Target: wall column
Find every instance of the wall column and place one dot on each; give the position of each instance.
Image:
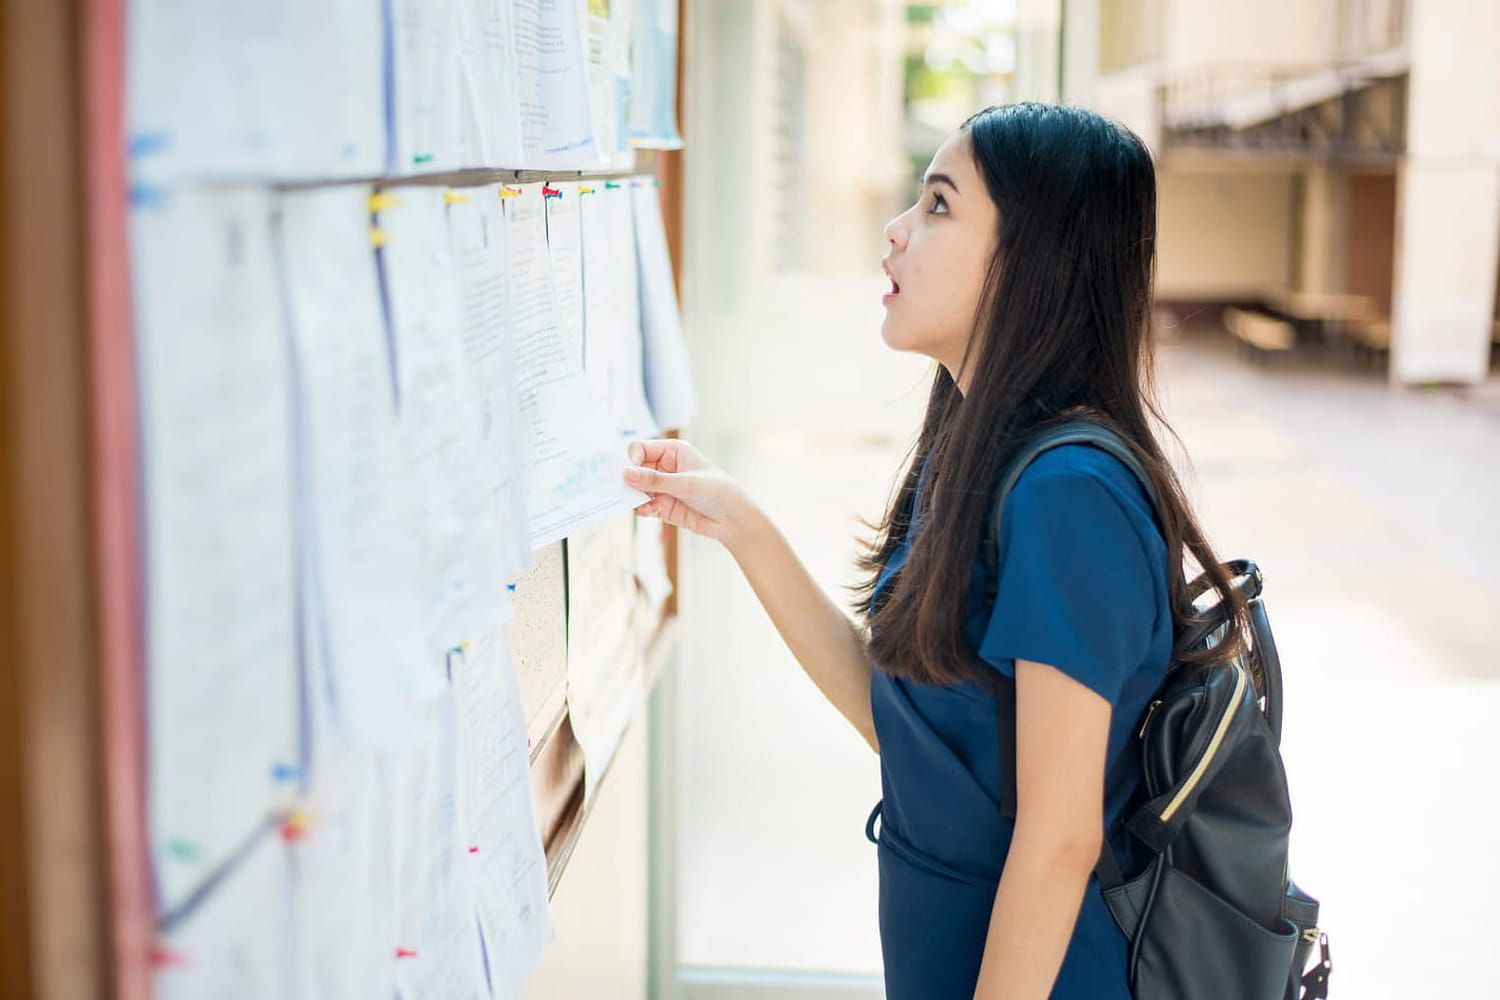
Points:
(1448, 197)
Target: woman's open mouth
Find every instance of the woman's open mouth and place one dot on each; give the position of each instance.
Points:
(895, 287)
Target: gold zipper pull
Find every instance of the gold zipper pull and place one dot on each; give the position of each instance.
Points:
(1150, 711)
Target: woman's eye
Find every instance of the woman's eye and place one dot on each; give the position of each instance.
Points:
(939, 205)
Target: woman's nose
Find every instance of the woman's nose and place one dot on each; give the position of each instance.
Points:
(895, 231)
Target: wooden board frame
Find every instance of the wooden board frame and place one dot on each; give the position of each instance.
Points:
(76, 910)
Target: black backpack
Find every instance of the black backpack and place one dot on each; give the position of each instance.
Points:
(1213, 915)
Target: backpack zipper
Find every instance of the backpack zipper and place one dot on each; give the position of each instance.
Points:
(1212, 748)
(1140, 734)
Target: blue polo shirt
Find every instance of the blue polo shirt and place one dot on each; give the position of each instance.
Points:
(1082, 586)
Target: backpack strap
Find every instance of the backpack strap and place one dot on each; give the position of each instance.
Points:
(1073, 432)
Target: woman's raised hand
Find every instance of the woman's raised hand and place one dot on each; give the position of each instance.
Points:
(687, 491)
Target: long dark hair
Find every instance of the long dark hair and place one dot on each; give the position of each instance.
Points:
(1062, 331)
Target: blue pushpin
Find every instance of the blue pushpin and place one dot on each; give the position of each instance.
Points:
(286, 772)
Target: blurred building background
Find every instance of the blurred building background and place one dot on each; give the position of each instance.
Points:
(1329, 188)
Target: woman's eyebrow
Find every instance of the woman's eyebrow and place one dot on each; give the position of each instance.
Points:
(940, 179)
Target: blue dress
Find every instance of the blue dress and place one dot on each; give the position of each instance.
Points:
(1082, 587)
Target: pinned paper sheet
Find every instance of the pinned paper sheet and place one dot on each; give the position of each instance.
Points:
(437, 950)
(452, 450)
(607, 31)
(343, 884)
(360, 502)
(426, 86)
(277, 89)
(653, 82)
(490, 117)
(237, 941)
(477, 229)
(612, 313)
(606, 671)
(565, 246)
(575, 459)
(222, 670)
(669, 378)
(504, 860)
(554, 94)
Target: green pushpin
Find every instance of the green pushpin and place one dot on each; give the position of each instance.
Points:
(183, 850)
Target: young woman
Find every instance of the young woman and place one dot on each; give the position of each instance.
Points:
(1024, 270)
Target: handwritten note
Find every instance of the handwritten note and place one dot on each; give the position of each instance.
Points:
(222, 667)
(555, 122)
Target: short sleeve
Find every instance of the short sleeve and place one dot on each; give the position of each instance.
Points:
(1075, 589)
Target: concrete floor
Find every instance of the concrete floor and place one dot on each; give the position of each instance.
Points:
(1375, 515)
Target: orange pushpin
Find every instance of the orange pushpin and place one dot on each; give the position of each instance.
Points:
(296, 826)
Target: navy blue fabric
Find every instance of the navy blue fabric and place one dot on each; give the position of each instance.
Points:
(1082, 586)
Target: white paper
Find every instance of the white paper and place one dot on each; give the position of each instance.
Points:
(426, 89)
(437, 951)
(477, 226)
(555, 122)
(613, 354)
(490, 129)
(653, 82)
(363, 559)
(606, 673)
(669, 378)
(271, 90)
(606, 26)
(505, 861)
(236, 943)
(574, 459)
(565, 246)
(344, 908)
(222, 670)
(441, 407)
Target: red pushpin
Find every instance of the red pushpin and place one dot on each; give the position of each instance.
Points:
(551, 192)
(162, 957)
(406, 953)
(473, 848)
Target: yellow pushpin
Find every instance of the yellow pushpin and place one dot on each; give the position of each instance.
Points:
(509, 192)
(585, 190)
(378, 238)
(380, 201)
(454, 198)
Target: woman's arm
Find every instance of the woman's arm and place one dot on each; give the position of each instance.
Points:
(1062, 737)
(688, 492)
(823, 638)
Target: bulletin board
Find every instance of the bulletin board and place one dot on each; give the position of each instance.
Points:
(544, 634)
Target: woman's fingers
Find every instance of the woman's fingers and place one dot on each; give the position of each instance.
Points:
(649, 480)
(664, 453)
